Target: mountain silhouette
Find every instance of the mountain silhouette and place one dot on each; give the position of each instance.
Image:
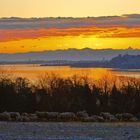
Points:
(126, 61)
(85, 54)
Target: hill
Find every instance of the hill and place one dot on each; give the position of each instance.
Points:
(126, 61)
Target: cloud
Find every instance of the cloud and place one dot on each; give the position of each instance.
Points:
(37, 23)
(113, 32)
(101, 27)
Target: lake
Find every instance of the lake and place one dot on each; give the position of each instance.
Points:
(33, 72)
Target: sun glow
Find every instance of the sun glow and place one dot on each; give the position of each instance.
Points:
(79, 42)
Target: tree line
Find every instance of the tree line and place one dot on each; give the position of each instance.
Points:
(53, 93)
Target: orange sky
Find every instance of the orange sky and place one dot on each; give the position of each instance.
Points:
(24, 40)
(112, 32)
(24, 35)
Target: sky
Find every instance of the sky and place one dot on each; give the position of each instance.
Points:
(25, 35)
(67, 8)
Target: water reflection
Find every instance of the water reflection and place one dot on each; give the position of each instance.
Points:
(34, 71)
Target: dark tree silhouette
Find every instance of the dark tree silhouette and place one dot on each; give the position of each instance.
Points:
(56, 94)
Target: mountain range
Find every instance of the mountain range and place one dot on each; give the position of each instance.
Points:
(85, 54)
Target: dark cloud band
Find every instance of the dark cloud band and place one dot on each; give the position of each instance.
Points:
(129, 21)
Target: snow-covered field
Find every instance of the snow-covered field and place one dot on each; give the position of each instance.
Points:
(69, 131)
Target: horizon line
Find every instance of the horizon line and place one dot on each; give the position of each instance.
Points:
(129, 48)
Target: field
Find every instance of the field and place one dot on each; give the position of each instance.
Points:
(69, 131)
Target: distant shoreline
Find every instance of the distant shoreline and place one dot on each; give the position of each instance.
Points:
(112, 68)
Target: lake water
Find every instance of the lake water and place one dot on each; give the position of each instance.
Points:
(35, 71)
